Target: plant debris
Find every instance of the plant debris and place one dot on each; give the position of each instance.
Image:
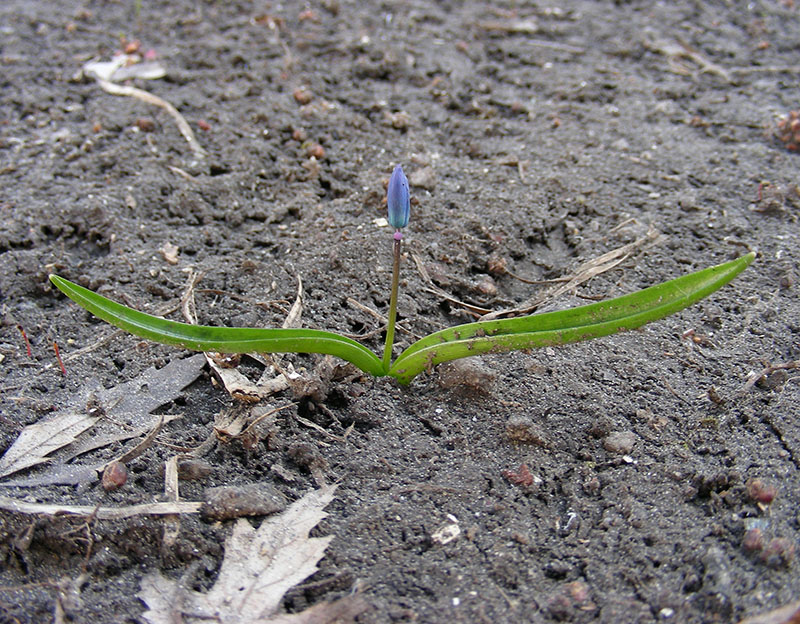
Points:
(259, 567)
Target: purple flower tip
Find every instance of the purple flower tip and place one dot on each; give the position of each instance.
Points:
(398, 199)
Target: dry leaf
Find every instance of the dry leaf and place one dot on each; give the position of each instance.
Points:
(124, 67)
(259, 566)
(37, 441)
(130, 402)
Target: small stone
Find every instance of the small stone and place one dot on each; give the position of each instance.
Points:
(578, 591)
(774, 380)
(620, 442)
(468, 373)
(306, 456)
(302, 95)
(115, 476)
(592, 485)
(423, 178)
(761, 492)
(522, 429)
(486, 286)
(193, 469)
(497, 265)
(315, 150)
(234, 501)
(778, 553)
(145, 125)
(753, 540)
(399, 120)
(560, 607)
(522, 476)
(621, 145)
(601, 427)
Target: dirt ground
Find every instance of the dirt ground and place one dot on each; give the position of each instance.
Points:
(537, 136)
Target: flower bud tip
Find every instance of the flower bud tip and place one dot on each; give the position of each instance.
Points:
(398, 199)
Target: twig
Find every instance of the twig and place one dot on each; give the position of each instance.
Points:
(172, 523)
(262, 417)
(146, 96)
(101, 513)
(316, 427)
(768, 69)
(140, 448)
(292, 319)
(768, 370)
(583, 273)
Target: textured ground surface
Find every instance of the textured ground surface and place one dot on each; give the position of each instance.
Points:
(534, 136)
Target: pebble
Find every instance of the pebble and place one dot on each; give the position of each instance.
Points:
(778, 553)
(233, 501)
(115, 476)
(193, 469)
(302, 95)
(486, 286)
(522, 429)
(470, 373)
(753, 540)
(761, 492)
(423, 178)
(620, 442)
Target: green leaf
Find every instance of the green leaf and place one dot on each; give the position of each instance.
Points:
(537, 330)
(573, 325)
(221, 339)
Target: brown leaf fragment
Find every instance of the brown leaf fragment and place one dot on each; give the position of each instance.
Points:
(152, 389)
(129, 403)
(234, 501)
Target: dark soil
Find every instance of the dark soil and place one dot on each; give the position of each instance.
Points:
(537, 136)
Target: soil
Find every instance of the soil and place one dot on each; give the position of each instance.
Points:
(536, 136)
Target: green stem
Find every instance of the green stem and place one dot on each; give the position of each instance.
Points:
(387, 349)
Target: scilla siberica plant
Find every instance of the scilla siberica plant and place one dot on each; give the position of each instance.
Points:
(496, 336)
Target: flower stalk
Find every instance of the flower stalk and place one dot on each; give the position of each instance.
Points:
(398, 203)
(387, 349)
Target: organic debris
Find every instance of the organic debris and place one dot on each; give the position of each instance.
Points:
(101, 513)
(583, 273)
(259, 567)
(234, 501)
(128, 66)
(788, 130)
(129, 403)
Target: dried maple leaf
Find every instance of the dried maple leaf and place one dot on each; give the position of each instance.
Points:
(259, 566)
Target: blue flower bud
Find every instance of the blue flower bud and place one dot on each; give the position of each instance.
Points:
(398, 199)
